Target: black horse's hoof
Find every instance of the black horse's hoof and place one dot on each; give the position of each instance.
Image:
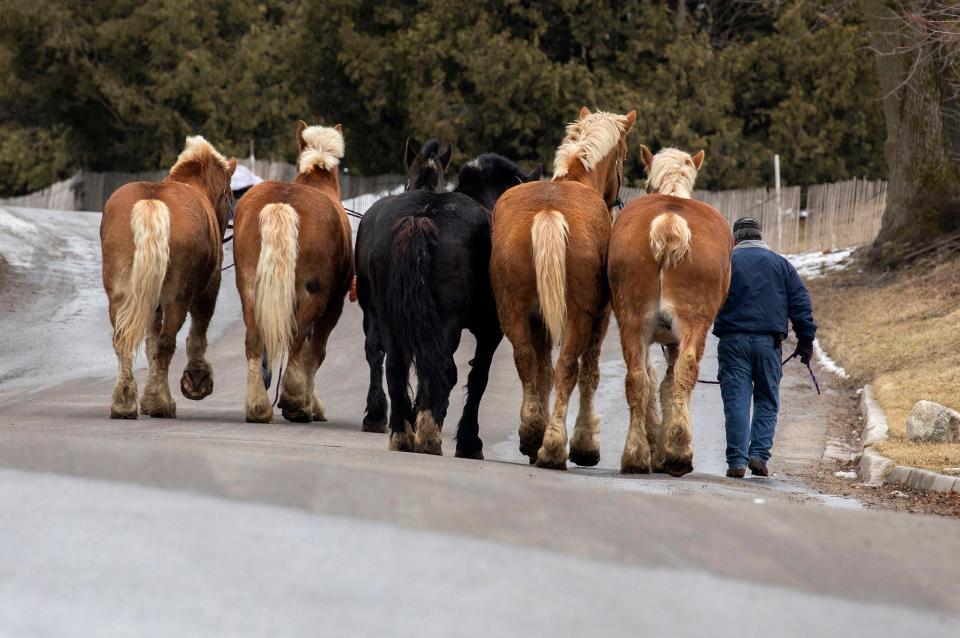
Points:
(196, 383)
(372, 425)
(470, 451)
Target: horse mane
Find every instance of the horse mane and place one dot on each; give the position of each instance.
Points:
(323, 148)
(195, 155)
(589, 140)
(671, 173)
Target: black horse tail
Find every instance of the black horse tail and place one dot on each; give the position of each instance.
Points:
(415, 320)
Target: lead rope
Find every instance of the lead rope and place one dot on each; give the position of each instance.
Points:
(813, 377)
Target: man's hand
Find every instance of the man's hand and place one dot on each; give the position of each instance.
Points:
(804, 351)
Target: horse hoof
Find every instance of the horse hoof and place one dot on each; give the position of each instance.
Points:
(630, 468)
(433, 447)
(584, 458)
(161, 412)
(678, 467)
(196, 383)
(262, 416)
(123, 413)
(549, 464)
(378, 426)
(297, 415)
(401, 441)
(470, 451)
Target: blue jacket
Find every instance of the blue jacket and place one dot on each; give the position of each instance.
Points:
(765, 291)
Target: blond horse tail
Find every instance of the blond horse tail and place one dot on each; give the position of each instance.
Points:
(150, 223)
(275, 291)
(549, 234)
(669, 239)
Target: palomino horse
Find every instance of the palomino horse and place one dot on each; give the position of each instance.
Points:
(292, 248)
(422, 278)
(549, 276)
(161, 246)
(669, 274)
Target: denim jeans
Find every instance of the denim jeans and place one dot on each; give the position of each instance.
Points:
(750, 369)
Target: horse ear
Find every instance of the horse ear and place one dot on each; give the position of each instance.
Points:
(232, 166)
(631, 119)
(698, 159)
(536, 173)
(338, 127)
(647, 156)
(584, 112)
(446, 155)
(301, 127)
(410, 153)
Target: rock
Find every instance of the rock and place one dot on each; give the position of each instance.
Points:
(931, 422)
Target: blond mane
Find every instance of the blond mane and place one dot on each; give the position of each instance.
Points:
(199, 150)
(589, 140)
(323, 148)
(672, 172)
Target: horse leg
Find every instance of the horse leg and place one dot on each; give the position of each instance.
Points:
(527, 360)
(671, 353)
(156, 400)
(553, 452)
(585, 442)
(317, 352)
(433, 390)
(197, 380)
(375, 417)
(398, 373)
(124, 400)
(257, 406)
(636, 450)
(677, 435)
(469, 444)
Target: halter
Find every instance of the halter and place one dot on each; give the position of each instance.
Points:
(618, 171)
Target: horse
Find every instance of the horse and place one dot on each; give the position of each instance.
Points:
(548, 269)
(292, 246)
(161, 249)
(669, 272)
(422, 278)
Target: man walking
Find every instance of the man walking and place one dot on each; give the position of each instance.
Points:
(765, 291)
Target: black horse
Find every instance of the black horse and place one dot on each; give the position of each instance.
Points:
(423, 261)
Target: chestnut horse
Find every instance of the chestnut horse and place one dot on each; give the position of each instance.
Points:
(548, 269)
(161, 247)
(669, 274)
(292, 247)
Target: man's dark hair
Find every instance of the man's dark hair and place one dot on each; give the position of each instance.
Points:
(746, 228)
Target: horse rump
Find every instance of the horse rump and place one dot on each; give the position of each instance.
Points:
(150, 223)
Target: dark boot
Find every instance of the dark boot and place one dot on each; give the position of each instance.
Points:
(736, 472)
(758, 468)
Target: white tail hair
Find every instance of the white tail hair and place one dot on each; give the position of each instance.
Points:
(550, 233)
(150, 223)
(669, 239)
(275, 295)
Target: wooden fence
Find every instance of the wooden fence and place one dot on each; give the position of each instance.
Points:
(838, 215)
(87, 190)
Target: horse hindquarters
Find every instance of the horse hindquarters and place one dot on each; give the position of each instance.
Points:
(417, 329)
(134, 302)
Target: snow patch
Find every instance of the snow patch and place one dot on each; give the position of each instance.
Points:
(845, 474)
(813, 265)
(829, 364)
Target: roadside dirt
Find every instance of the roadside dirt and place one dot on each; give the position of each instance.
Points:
(845, 425)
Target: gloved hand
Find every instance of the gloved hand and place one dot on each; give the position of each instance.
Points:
(804, 350)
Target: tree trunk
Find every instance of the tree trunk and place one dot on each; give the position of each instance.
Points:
(922, 149)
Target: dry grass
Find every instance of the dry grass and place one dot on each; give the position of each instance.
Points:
(900, 332)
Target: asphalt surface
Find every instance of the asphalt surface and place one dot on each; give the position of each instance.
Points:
(206, 525)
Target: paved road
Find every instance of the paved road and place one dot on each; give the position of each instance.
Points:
(207, 525)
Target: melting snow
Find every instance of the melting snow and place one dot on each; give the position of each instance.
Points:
(813, 265)
(829, 364)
